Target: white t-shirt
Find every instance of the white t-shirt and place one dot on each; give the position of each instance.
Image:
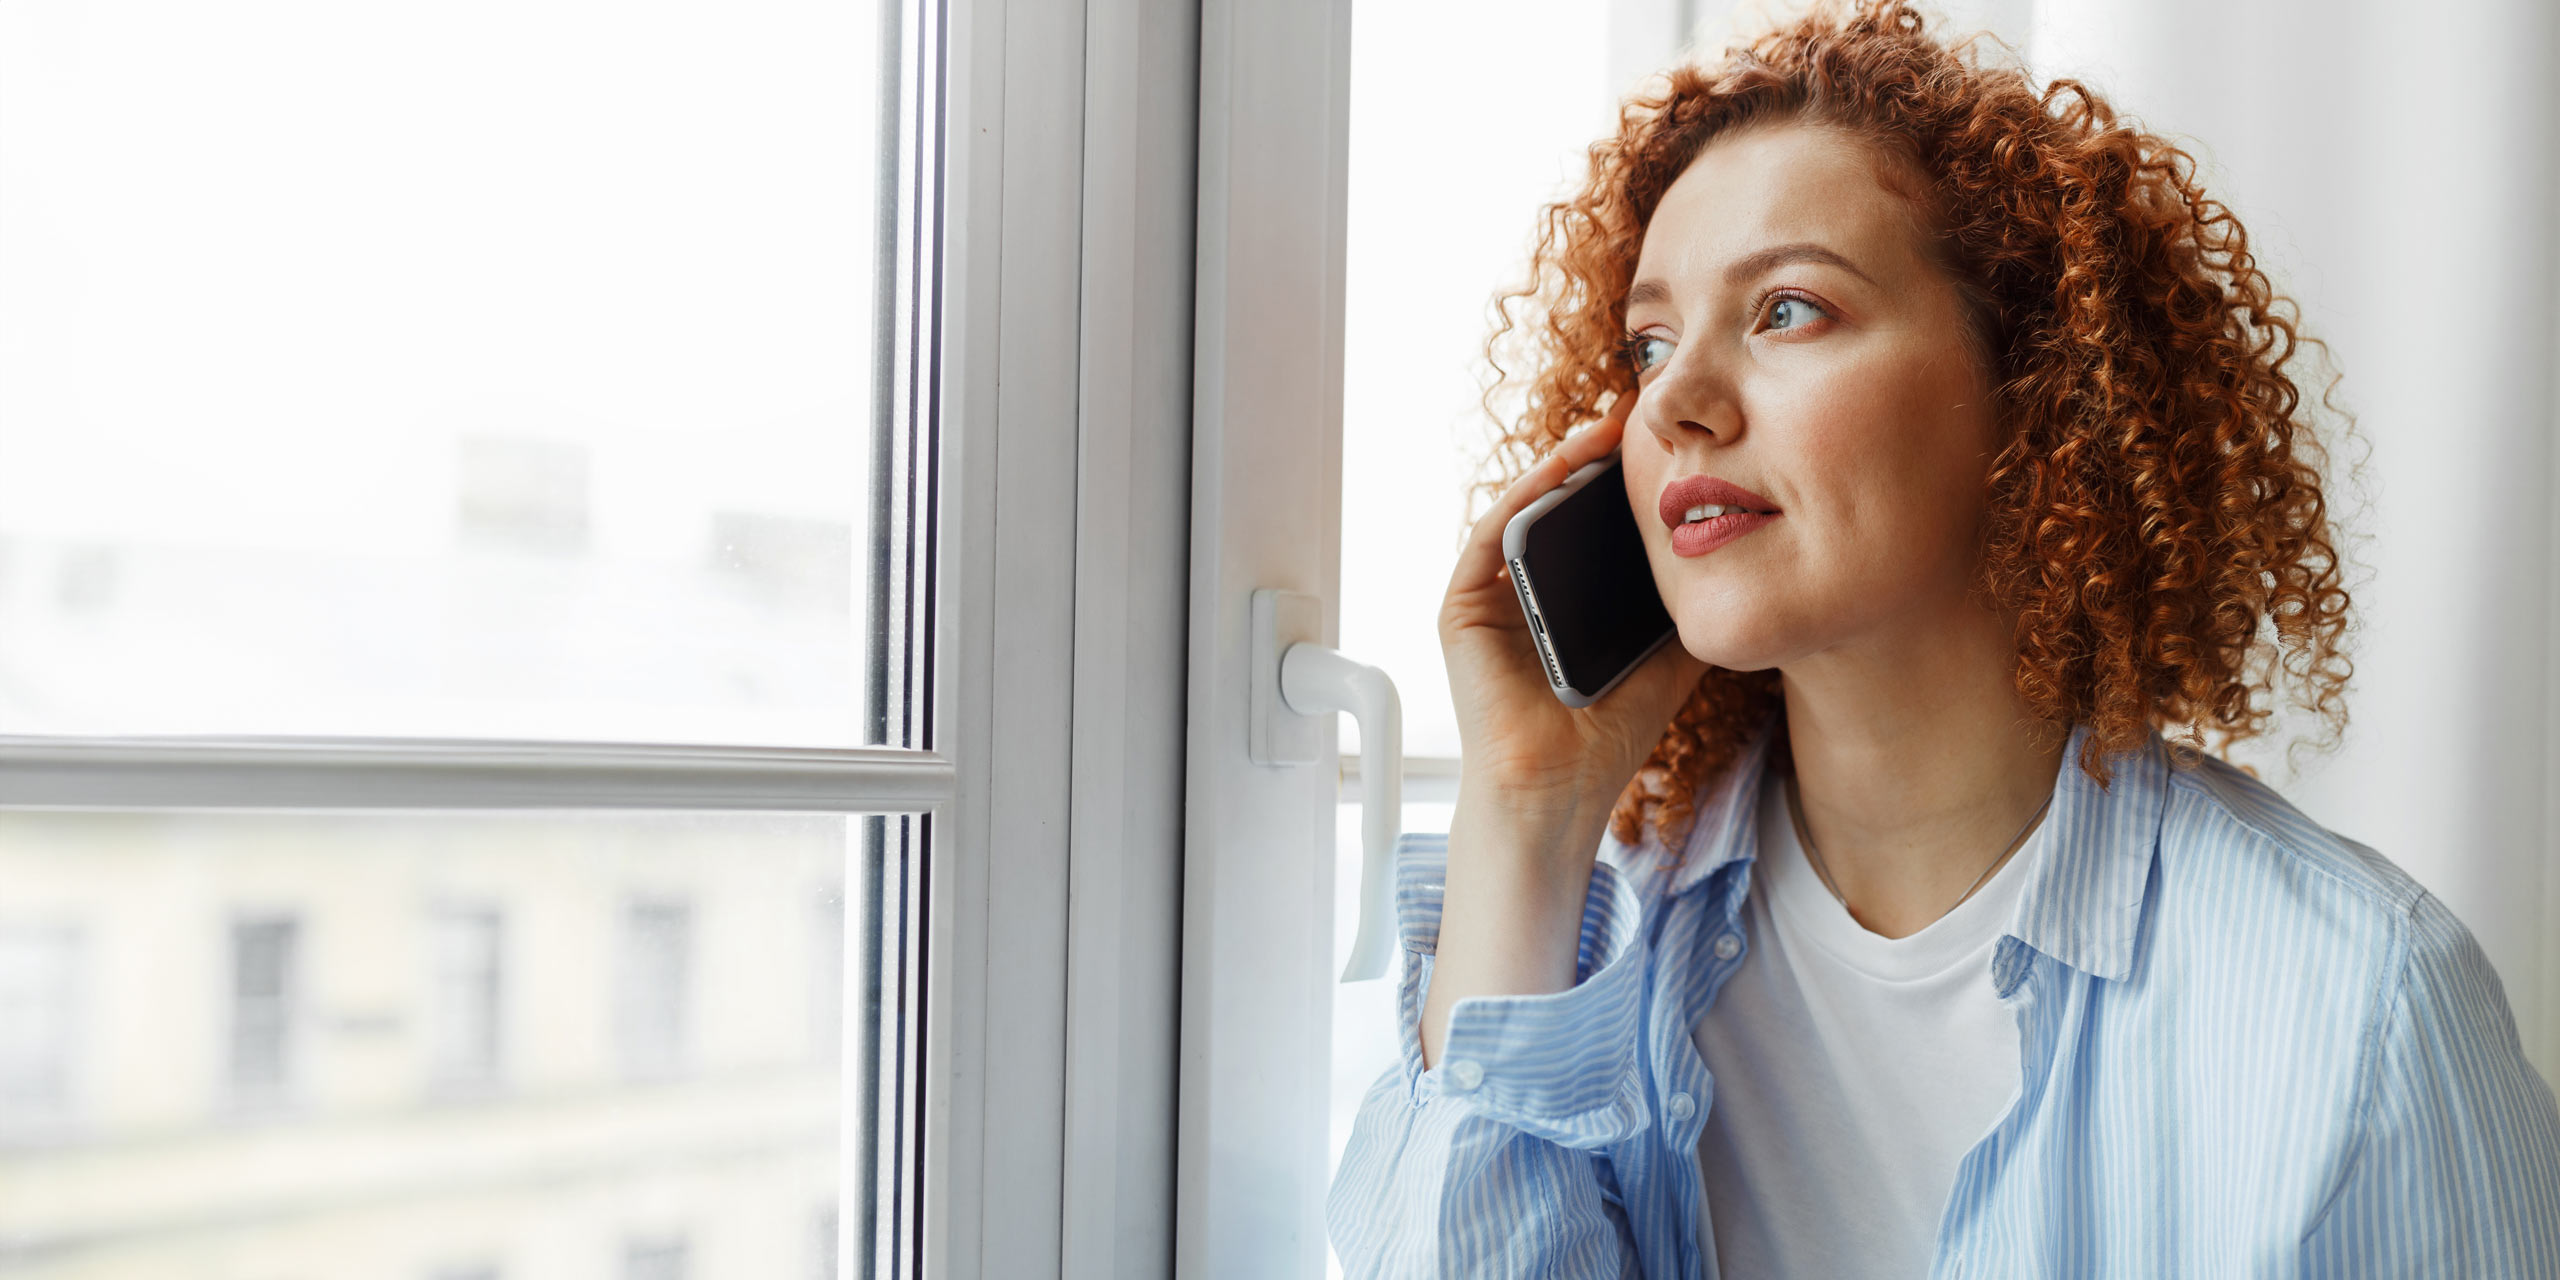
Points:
(1852, 1072)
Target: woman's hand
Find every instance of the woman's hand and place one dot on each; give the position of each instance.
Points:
(1536, 778)
(1520, 745)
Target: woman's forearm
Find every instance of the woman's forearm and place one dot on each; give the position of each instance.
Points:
(1511, 916)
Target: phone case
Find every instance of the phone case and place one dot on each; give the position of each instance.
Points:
(1515, 545)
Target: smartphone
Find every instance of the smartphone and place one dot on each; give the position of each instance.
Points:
(1578, 562)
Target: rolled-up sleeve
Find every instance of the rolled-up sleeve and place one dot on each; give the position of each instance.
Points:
(1490, 1163)
(2458, 1169)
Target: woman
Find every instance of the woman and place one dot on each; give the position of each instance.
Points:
(1958, 425)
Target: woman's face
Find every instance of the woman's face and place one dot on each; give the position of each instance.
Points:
(1794, 341)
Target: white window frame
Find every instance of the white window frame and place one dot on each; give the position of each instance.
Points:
(1257, 969)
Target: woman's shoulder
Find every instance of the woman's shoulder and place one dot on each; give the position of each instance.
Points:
(2219, 811)
(2350, 1023)
(2242, 868)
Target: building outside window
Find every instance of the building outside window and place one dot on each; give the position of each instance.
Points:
(39, 1026)
(264, 991)
(467, 1001)
(652, 993)
(655, 1258)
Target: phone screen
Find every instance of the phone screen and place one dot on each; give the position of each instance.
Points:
(1597, 603)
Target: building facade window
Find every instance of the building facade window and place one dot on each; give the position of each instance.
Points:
(265, 1016)
(652, 1004)
(39, 1026)
(656, 1258)
(467, 996)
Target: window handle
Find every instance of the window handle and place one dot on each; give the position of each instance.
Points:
(1296, 682)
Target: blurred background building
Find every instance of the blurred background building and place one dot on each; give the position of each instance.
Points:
(423, 1046)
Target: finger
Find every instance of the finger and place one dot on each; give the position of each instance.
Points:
(1580, 448)
(1595, 440)
(1481, 557)
(1600, 437)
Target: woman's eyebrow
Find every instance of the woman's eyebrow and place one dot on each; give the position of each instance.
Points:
(1749, 265)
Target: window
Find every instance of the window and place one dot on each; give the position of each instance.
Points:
(656, 1258)
(653, 995)
(466, 337)
(541, 460)
(39, 1027)
(468, 1000)
(265, 990)
(471, 562)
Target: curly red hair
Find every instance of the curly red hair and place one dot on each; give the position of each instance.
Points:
(2156, 522)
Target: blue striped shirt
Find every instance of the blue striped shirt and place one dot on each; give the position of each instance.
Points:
(2249, 1047)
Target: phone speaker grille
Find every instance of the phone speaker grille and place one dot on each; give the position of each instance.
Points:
(1537, 623)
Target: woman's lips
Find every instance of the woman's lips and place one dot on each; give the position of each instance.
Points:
(1699, 537)
(1696, 538)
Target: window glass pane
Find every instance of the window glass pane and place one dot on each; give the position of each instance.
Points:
(653, 987)
(472, 369)
(40, 968)
(484, 1045)
(1432, 232)
(263, 1009)
(466, 994)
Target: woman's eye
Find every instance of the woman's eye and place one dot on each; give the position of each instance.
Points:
(1646, 352)
(1800, 310)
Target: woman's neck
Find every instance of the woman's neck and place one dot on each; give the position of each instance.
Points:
(1916, 763)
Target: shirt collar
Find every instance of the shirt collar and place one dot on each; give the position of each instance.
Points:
(2082, 902)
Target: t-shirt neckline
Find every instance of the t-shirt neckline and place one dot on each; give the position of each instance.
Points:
(1797, 892)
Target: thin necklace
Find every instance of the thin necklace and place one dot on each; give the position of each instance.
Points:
(1804, 836)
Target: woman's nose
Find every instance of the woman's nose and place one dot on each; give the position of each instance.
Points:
(1689, 396)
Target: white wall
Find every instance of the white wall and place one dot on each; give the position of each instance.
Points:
(2398, 168)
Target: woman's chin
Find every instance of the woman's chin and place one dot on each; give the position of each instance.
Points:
(1720, 644)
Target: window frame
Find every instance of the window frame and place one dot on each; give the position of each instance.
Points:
(1071, 144)
(1257, 971)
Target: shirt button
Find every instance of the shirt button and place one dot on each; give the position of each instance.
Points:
(1683, 1106)
(1465, 1074)
(1726, 946)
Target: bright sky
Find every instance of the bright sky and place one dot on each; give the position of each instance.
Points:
(248, 296)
